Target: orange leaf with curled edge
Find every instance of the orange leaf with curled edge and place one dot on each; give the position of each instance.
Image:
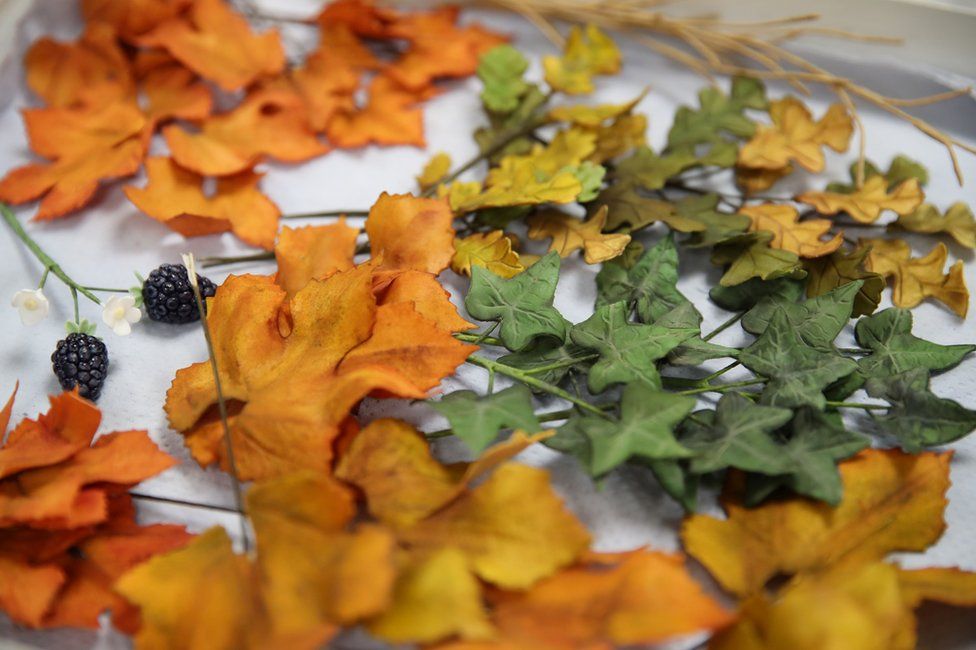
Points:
(919, 278)
(87, 146)
(411, 233)
(607, 600)
(421, 289)
(313, 252)
(217, 43)
(438, 48)
(270, 122)
(390, 117)
(131, 18)
(5, 421)
(791, 234)
(291, 392)
(91, 71)
(866, 204)
(893, 501)
(794, 136)
(175, 197)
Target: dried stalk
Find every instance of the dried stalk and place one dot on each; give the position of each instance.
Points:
(710, 45)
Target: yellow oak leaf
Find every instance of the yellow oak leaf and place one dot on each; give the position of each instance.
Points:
(892, 501)
(794, 136)
(570, 234)
(621, 136)
(754, 181)
(593, 115)
(918, 278)
(491, 250)
(867, 203)
(957, 222)
(434, 171)
(791, 234)
(518, 185)
(586, 53)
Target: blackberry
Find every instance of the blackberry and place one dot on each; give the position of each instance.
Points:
(81, 360)
(168, 296)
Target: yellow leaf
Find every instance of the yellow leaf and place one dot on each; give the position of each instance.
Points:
(957, 222)
(794, 136)
(519, 185)
(858, 608)
(435, 597)
(892, 502)
(621, 136)
(569, 234)
(492, 250)
(867, 203)
(921, 277)
(754, 181)
(940, 584)
(790, 234)
(434, 171)
(593, 115)
(586, 54)
(568, 149)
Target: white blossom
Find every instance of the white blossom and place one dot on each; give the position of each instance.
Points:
(32, 305)
(119, 314)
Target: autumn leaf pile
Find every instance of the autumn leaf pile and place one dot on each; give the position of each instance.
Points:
(163, 66)
(825, 452)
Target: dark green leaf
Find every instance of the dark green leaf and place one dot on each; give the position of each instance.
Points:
(630, 210)
(718, 226)
(650, 286)
(748, 294)
(477, 419)
(750, 256)
(676, 480)
(523, 304)
(836, 270)
(818, 321)
(718, 114)
(652, 171)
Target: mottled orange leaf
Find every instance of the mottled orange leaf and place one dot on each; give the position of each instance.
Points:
(217, 43)
(131, 18)
(438, 47)
(795, 136)
(86, 145)
(407, 232)
(175, 197)
(293, 390)
(270, 123)
(892, 501)
(570, 234)
(427, 295)
(789, 233)
(390, 116)
(92, 71)
(866, 204)
(921, 277)
(313, 252)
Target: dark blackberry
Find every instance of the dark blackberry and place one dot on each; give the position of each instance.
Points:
(168, 296)
(81, 360)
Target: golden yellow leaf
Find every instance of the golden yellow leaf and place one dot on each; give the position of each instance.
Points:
(867, 203)
(893, 501)
(621, 136)
(846, 608)
(593, 115)
(519, 185)
(586, 53)
(435, 597)
(754, 181)
(434, 171)
(940, 584)
(958, 222)
(570, 234)
(794, 136)
(921, 277)
(790, 234)
(492, 250)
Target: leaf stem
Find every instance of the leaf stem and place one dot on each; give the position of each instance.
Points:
(857, 405)
(50, 266)
(722, 388)
(551, 416)
(181, 502)
(326, 213)
(234, 259)
(719, 373)
(724, 326)
(107, 290)
(533, 382)
(855, 351)
(479, 339)
(562, 363)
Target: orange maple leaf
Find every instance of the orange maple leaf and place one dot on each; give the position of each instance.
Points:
(172, 92)
(313, 252)
(411, 233)
(67, 528)
(131, 18)
(93, 70)
(175, 197)
(390, 117)
(270, 122)
(218, 44)
(87, 146)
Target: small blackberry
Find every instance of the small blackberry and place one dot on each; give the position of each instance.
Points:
(168, 296)
(81, 360)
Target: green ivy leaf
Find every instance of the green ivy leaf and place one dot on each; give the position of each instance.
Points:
(650, 286)
(651, 171)
(693, 351)
(718, 114)
(477, 419)
(500, 70)
(522, 304)
(736, 434)
(645, 428)
(747, 295)
(750, 256)
(679, 483)
(628, 351)
(818, 321)
(918, 418)
(894, 349)
(837, 269)
(797, 372)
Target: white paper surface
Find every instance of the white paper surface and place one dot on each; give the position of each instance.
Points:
(107, 241)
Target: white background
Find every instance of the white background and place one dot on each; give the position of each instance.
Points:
(105, 243)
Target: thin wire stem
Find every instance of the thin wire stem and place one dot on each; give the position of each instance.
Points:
(326, 213)
(180, 502)
(722, 388)
(724, 326)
